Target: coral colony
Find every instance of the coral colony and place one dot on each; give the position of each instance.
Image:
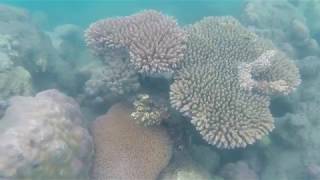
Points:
(84, 104)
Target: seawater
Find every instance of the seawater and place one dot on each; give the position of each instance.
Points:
(84, 12)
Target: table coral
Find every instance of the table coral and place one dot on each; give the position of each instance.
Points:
(155, 42)
(209, 88)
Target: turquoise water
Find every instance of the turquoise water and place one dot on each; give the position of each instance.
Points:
(159, 89)
(84, 12)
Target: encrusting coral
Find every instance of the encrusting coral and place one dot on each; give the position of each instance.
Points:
(44, 137)
(154, 41)
(210, 90)
(126, 150)
(147, 111)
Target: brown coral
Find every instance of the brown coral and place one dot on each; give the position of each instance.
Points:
(154, 41)
(148, 111)
(125, 150)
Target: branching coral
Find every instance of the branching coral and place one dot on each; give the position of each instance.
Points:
(111, 81)
(264, 70)
(154, 41)
(208, 88)
(147, 111)
(125, 150)
(43, 137)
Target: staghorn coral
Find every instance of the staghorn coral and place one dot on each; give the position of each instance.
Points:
(147, 111)
(125, 150)
(43, 137)
(208, 88)
(155, 42)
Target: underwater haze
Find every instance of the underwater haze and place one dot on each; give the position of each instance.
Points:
(84, 12)
(159, 90)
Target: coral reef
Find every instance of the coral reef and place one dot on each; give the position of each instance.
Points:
(155, 42)
(226, 78)
(295, 155)
(5, 62)
(73, 58)
(15, 81)
(44, 137)
(30, 47)
(268, 77)
(113, 80)
(7, 45)
(125, 150)
(286, 23)
(148, 111)
(68, 40)
(205, 157)
(238, 171)
(208, 87)
(182, 167)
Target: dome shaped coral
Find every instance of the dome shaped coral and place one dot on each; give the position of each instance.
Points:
(126, 150)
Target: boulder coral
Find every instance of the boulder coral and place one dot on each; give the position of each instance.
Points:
(44, 137)
(125, 150)
(211, 87)
(154, 41)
